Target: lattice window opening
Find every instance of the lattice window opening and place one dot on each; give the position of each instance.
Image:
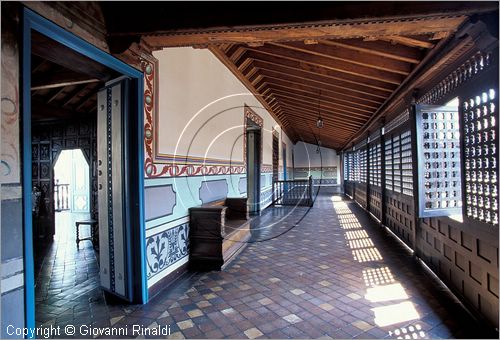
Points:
(438, 144)
(346, 167)
(356, 168)
(375, 164)
(388, 164)
(480, 115)
(362, 165)
(406, 164)
(396, 163)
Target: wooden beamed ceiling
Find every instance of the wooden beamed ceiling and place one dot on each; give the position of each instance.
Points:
(344, 80)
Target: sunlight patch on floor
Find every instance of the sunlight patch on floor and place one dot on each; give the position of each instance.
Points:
(393, 314)
(380, 282)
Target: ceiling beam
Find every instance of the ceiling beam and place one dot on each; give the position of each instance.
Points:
(324, 108)
(327, 63)
(350, 56)
(342, 95)
(332, 30)
(232, 67)
(378, 48)
(296, 116)
(286, 103)
(59, 54)
(407, 41)
(59, 79)
(78, 91)
(314, 80)
(316, 70)
(321, 103)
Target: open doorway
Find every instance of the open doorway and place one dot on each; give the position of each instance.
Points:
(65, 83)
(71, 196)
(253, 156)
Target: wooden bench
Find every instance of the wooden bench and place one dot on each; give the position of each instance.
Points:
(217, 232)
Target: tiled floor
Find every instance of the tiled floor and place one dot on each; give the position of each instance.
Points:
(335, 274)
(67, 282)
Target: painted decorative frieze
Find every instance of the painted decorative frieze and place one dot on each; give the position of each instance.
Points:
(166, 248)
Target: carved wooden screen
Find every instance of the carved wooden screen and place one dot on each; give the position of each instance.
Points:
(438, 146)
(480, 114)
(375, 163)
(275, 156)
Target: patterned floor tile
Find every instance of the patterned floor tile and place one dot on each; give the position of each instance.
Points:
(312, 282)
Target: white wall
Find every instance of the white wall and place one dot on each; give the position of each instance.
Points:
(325, 165)
(306, 156)
(200, 116)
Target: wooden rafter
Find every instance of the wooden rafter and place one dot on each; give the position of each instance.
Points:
(378, 48)
(333, 30)
(342, 67)
(350, 56)
(407, 41)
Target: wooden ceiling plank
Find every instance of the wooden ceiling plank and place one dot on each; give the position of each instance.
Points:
(325, 108)
(305, 87)
(75, 93)
(316, 70)
(55, 94)
(407, 41)
(232, 67)
(236, 55)
(57, 81)
(378, 48)
(295, 117)
(350, 56)
(51, 50)
(288, 103)
(85, 99)
(323, 62)
(335, 85)
(323, 102)
(292, 112)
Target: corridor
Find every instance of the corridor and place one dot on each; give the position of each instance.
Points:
(331, 275)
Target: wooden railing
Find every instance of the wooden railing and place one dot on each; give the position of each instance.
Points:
(293, 192)
(61, 197)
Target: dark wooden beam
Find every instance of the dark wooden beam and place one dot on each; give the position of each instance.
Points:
(311, 87)
(339, 66)
(59, 79)
(59, 54)
(379, 48)
(316, 70)
(78, 91)
(41, 111)
(325, 102)
(407, 41)
(219, 54)
(332, 30)
(54, 94)
(326, 107)
(314, 80)
(81, 103)
(350, 56)
(307, 112)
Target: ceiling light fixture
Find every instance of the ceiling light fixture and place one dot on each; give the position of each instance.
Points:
(319, 122)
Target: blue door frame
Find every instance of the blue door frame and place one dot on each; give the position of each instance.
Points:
(32, 21)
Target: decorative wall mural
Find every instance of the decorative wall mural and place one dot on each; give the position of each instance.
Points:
(179, 165)
(10, 163)
(166, 248)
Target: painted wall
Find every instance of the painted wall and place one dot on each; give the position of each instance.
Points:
(12, 284)
(324, 166)
(197, 147)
